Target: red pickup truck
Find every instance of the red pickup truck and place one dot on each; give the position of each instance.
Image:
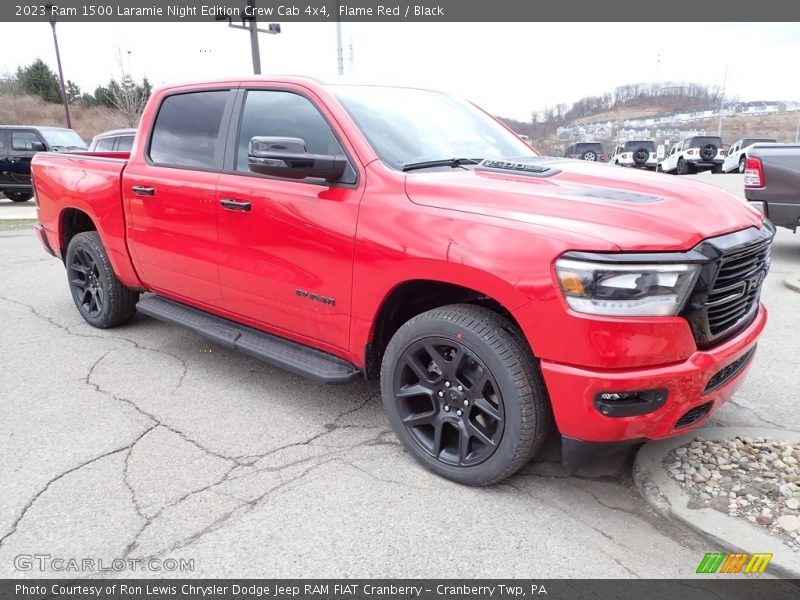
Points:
(347, 231)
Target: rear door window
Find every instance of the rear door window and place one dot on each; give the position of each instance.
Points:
(189, 131)
(125, 143)
(104, 145)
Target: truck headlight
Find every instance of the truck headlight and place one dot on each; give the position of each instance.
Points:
(625, 290)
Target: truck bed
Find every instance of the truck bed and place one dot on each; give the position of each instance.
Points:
(88, 182)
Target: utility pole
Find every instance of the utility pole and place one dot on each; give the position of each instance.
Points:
(339, 54)
(49, 7)
(722, 101)
(252, 27)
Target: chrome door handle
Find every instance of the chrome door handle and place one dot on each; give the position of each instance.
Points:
(141, 190)
(240, 205)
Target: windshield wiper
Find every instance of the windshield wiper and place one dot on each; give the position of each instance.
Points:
(445, 162)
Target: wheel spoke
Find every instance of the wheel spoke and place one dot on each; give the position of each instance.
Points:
(438, 359)
(480, 435)
(418, 419)
(436, 449)
(463, 445)
(487, 408)
(419, 369)
(476, 389)
(417, 389)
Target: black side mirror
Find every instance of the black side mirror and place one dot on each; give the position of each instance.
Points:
(288, 157)
(37, 147)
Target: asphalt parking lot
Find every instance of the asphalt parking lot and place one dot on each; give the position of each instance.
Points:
(148, 441)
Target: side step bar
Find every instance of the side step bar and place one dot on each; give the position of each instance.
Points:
(288, 355)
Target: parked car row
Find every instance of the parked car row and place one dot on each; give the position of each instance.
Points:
(694, 154)
(18, 144)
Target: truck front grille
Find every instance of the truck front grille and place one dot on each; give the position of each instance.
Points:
(737, 288)
(727, 293)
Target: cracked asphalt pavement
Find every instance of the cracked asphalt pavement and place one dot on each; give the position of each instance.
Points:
(148, 441)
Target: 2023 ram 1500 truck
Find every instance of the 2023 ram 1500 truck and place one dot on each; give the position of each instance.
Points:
(346, 231)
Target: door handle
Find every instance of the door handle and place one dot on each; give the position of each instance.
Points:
(240, 205)
(141, 190)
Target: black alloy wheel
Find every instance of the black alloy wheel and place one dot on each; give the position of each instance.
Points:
(449, 402)
(100, 297)
(86, 283)
(464, 393)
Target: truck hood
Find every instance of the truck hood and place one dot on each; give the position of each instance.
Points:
(631, 210)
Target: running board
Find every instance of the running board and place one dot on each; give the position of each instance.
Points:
(277, 351)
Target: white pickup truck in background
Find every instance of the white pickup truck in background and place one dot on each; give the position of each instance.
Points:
(737, 154)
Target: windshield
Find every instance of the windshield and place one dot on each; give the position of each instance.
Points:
(65, 138)
(699, 142)
(633, 146)
(407, 126)
(751, 141)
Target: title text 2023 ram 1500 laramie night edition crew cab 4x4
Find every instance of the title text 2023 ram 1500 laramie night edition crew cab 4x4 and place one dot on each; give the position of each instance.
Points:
(346, 231)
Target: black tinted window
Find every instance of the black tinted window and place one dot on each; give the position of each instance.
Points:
(24, 140)
(104, 145)
(699, 142)
(284, 114)
(125, 143)
(187, 130)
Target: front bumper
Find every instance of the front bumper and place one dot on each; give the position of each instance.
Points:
(573, 391)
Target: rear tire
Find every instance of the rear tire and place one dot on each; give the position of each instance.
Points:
(717, 169)
(18, 196)
(464, 394)
(99, 296)
(742, 164)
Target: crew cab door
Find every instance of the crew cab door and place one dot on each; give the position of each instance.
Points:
(169, 189)
(286, 246)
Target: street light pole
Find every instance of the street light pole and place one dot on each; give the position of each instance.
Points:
(254, 39)
(252, 27)
(60, 70)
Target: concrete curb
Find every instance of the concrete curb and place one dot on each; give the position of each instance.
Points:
(792, 282)
(725, 532)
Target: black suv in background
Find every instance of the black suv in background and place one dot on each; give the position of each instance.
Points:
(18, 144)
(591, 151)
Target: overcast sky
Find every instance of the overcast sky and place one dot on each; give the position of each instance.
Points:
(510, 69)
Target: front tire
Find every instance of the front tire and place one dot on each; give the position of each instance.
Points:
(18, 196)
(742, 164)
(682, 168)
(99, 296)
(464, 394)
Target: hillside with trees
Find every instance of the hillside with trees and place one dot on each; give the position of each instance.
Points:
(32, 95)
(648, 99)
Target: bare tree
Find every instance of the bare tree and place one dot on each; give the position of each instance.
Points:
(129, 98)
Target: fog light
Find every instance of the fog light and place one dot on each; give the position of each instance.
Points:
(630, 404)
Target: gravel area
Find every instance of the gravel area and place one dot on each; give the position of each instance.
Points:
(755, 479)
